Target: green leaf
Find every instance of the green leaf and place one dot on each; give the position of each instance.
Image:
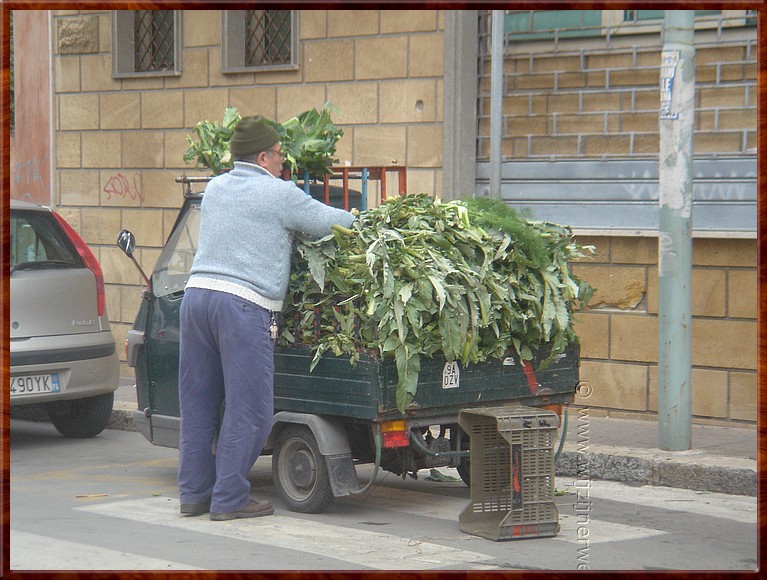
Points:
(399, 311)
(408, 367)
(450, 330)
(316, 262)
(439, 289)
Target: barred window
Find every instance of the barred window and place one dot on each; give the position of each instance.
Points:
(260, 40)
(153, 38)
(146, 42)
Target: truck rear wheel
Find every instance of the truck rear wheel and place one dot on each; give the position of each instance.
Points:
(299, 471)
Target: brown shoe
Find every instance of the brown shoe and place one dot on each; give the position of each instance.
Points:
(195, 509)
(253, 510)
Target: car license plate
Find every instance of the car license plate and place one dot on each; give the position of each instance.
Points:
(35, 384)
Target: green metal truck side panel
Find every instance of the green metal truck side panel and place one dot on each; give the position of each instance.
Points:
(368, 391)
(490, 382)
(334, 387)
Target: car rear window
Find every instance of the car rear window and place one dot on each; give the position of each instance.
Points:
(37, 240)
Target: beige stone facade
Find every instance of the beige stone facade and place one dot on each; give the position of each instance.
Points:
(606, 104)
(619, 332)
(119, 144)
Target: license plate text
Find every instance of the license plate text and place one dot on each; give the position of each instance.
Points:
(35, 384)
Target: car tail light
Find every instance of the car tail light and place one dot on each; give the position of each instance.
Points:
(394, 434)
(90, 261)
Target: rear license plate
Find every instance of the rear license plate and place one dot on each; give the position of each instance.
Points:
(451, 375)
(35, 384)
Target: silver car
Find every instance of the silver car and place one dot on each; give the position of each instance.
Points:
(63, 354)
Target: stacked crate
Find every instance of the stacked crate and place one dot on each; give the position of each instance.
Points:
(512, 473)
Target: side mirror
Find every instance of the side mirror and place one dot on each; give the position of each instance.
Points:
(126, 241)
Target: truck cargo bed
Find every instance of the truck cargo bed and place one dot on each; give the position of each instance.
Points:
(368, 390)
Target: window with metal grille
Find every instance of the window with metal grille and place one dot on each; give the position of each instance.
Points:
(146, 42)
(260, 40)
(153, 40)
(268, 37)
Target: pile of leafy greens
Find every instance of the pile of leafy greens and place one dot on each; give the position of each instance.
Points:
(416, 277)
(308, 142)
(210, 145)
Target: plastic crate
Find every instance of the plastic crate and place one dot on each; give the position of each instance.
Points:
(512, 473)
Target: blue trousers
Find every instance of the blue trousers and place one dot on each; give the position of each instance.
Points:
(226, 354)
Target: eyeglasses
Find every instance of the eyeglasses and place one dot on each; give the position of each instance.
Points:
(280, 153)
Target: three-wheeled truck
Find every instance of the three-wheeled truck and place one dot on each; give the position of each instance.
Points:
(336, 416)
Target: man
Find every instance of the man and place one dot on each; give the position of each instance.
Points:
(229, 314)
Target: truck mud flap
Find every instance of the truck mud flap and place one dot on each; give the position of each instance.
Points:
(343, 477)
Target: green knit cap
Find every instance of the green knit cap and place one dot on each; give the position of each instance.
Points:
(252, 135)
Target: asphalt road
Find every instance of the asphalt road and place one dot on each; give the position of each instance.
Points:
(110, 503)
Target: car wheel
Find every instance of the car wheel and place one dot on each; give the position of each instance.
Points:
(82, 418)
(299, 470)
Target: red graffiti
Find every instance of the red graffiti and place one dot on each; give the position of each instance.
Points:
(119, 186)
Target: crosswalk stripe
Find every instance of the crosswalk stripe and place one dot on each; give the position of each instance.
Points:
(36, 552)
(578, 527)
(432, 505)
(742, 509)
(371, 549)
(364, 548)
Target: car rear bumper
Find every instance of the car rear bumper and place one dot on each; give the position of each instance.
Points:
(61, 355)
(86, 367)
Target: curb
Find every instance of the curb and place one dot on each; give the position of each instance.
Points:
(693, 471)
(122, 419)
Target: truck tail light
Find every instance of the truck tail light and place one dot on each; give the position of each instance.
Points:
(90, 261)
(394, 434)
(556, 407)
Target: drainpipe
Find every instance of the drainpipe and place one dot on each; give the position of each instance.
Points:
(496, 103)
(677, 112)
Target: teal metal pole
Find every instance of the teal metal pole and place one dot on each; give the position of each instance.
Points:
(496, 102)
(677, 112)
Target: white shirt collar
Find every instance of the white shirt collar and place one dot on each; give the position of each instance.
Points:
(255, 166)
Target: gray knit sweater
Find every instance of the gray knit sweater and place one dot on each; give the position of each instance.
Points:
(246, 233)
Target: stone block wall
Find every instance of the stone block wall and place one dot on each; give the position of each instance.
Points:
(619, 331)
(119, 143)
(571, 102)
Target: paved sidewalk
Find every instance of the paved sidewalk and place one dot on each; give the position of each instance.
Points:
(722, 459)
